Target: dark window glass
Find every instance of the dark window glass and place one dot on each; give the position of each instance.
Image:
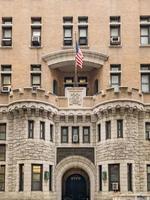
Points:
(120, 128)
(42, 130)
(96, 86)
(86, 134)
(99, 132)
(75, 134)
(108, 129)
(51, 132)
(2, 131)
(129, 168)
(114, 177)
(37, 173)
(100, 177)
(55, 87)
(148, 177)
(2, 152)
(21, 177)
(147, 130)
(64, 134)
(50, 177)
(30, 129)
(2, 178)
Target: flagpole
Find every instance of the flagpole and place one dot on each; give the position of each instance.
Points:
(76, 72)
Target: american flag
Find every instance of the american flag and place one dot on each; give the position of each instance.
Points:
(78, 57)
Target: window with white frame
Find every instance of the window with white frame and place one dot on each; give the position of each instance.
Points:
(6, 31)
(36, 27)
(145, 77)
(67, 28)
(75, 134)
(6, 73)
(115, 75)
(35, 76)
(64, 134)
(86, 134)
(83, 30)
(145, 30)
(115, 28)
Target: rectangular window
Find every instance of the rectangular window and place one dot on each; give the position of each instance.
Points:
(114, 177)
(108, 129)
(120, 128)
(2, 178)
(42, 130)
(51, 132)
(2, 152)
(83, 30)
(145, 78)
(21, 177)
(75, 134)
(30, 129)
(147, 130)
(115, 75)
(37, 174)
(64, 134)
(7, 31)
(6, 78)
(3, 131)
(100, 177)
(67, 27)
(129, 168)
(99, 132)
(148, 177)
(86, 134)
(50, 177)
(115, 36)
(35, 76)
(36, 27)
(145, 30)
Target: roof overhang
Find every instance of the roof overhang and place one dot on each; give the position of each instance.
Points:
(66, 58)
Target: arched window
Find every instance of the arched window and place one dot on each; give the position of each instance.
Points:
(96, 86)
(55, 87)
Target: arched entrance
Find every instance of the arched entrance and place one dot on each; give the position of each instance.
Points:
(75, 185)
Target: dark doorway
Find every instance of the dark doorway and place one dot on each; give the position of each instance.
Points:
(75, 185)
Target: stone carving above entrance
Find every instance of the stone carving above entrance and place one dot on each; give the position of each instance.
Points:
(75, 96)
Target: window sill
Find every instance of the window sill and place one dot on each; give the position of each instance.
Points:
(144, 46)
(67, 47)
(6, 47)
(115, 46)
(84, 46)
(35, 47)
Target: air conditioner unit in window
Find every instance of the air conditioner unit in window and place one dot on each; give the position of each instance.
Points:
(6, 41)
(75, 138)
(36, 40)
(115, 40)
(6, 89)
(34, 88)
(115, 186)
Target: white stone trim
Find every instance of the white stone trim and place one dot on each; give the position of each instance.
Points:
(75, 162)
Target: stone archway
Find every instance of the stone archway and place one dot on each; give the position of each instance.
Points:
(79, 163)
(75, 185)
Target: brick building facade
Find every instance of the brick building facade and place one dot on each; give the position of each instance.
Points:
(60, 142)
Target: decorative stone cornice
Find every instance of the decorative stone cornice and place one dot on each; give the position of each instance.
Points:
(61, 58)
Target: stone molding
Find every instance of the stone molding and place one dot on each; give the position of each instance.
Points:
(58, 59)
